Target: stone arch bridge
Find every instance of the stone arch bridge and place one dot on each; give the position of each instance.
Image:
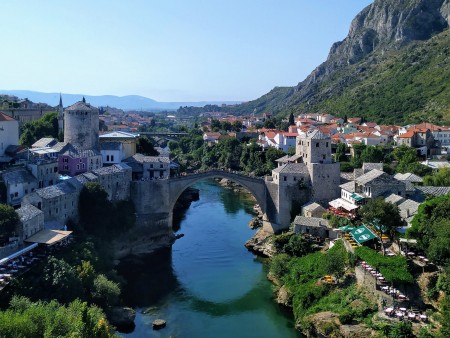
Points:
(154, 199)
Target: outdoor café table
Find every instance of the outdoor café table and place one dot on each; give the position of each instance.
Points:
(385, 288)
(426, 260)
(401, 296)
(399, 314)
(390, 254)
(369, 268)
(380, 278)
(402, 309)
(421, 257)
(411, 315)
(388, 309)
(410, 253)
(423, 317)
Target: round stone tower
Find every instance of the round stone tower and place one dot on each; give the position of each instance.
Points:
(81, 125)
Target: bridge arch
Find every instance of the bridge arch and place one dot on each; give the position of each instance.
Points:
(256, 186)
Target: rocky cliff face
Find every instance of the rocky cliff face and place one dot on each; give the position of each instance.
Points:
(382, 27)
(385, 25)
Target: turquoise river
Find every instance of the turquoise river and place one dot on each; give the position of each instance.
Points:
(208, 285)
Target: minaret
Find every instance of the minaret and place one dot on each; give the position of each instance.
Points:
(60, 115)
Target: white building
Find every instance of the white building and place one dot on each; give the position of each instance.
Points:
(9, 132)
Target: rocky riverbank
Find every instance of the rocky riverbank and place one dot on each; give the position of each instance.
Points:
(261, 244)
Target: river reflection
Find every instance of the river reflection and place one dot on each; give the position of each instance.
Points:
(208, 285)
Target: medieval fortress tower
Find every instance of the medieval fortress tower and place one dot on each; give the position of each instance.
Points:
(81, 125)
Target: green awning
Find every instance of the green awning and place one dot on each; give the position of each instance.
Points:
(357, 197)
(346, 228)
(362, 234)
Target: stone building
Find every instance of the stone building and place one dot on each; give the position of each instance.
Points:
(314, 177)
(19, 182)
(73, 160)
(81, 126)
(149, 167)
(58, 202)
(313, 209)
(115, 180)
(316, 227)
(315, 151)
(31, 219)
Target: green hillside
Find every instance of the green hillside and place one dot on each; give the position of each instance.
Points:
(407, 85)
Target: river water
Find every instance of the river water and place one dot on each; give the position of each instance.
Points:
(208, 285)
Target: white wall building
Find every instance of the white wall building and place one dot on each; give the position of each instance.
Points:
(9, 132)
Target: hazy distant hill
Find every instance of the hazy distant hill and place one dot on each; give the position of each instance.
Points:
(129, 102)
(394, 66)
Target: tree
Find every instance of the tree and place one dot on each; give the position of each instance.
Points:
(291, 119)
(105, 292)
(8, 220)
(46, 126)
(341, 152)
(431, 228)
(145, 146)
(372, 154)
(94, 209)
(383, 214)
(439, 179)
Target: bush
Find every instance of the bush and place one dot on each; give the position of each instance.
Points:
(394, 269)
(279, 265)
(346, 317)
(105, 292)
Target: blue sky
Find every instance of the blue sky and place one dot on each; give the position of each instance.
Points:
(168, 50)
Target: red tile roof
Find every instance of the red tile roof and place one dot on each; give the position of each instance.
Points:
(4, 117)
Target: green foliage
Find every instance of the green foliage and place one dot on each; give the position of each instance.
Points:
(430, 227)
(386, 214)
(441, 178)
(105, 292)
(336, 221)
(145, 146)
(62, 279)
(407, 161)
(279, 265)
(100, 217)
(42, 319)
(8, 220)
(394, 269)
(346, 167)
(341, 151)
(292, 244)
(401, 330)
(46, 126)
(336, 260)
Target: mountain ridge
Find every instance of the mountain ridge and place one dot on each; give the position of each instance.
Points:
(127, 102)
(381, 30)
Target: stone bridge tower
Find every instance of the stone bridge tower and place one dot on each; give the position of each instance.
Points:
(315, 151)
(81, 125)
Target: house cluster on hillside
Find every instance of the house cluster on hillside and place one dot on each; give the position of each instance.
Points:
(429, 139)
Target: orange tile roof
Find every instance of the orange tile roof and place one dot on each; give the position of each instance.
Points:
(4, 117)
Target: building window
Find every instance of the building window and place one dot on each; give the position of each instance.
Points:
(83, 166)
(317, 144)
(66, 167)
(160, 165)
(78, 167)
(80, 160)
(112, 158)
(55, 169)
(284, 178)
(65, 160)
(326, 144)
(107, 158)
(323, 156)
